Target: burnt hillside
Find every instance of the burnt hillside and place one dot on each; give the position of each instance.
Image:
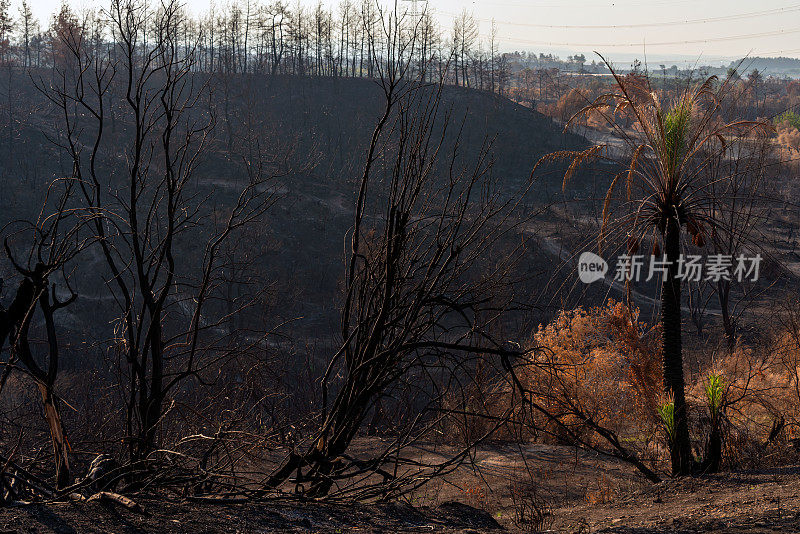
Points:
(312, 134)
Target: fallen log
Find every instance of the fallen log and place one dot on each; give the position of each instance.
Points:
(109, 496)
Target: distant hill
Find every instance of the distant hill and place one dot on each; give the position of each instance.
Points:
(336, 116)
(774, 66)
(330, 121)
(316, 130)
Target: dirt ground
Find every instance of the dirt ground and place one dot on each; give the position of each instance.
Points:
(270, 517)
(739, 502)
(582, 492)
(564, 490)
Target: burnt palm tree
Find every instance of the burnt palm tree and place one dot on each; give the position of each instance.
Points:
(672, 146)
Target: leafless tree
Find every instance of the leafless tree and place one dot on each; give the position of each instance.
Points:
(52, 241)
(144, 206)
(740, 196)
(423, 294)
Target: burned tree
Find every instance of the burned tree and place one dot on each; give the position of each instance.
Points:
(138, 185)
(675, 158)
(423, 294)
(52, 242)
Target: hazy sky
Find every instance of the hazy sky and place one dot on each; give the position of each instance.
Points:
(664, 30)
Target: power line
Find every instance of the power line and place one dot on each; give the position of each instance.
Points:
(648, 3)
(661, 43)
(415, 12)
(778, 52)
(724, 18)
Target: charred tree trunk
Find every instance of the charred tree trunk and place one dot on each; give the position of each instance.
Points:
(680, 448)
(57, 437)
(15, 324)
(713, 452)
(723, 292)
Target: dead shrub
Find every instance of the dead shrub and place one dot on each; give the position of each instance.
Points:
(599, 368)
(788, 136)
(602, 493)
(469, 411)
(761, 398)
(532, 511)
(602, 364)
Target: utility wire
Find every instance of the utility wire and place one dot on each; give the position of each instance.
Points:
(724, 18)
(660, 43)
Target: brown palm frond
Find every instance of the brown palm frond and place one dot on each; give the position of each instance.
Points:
(621, 105)
(576, 157)
(722, 142)
(598, 104)
(706, 88)
(607, 201)
(632, 169)
(578, 160)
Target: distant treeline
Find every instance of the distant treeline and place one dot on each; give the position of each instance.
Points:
(788, 66)
(274, 38)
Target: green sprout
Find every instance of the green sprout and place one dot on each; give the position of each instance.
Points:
(715, 390)
(676, 129)
(667, 413)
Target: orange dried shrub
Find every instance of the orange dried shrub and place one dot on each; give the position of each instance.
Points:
(599, 118)
(571, 103)
(781, 392)
(788, 136)
(599, 363)
(603, 493)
